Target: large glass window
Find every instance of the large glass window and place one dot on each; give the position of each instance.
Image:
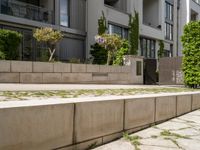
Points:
(148, 48)
(168, 31)
(114, 29)
(64, 13)
(169, 11)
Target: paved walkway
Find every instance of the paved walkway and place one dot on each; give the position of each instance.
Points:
(47, 87)
(181, 133)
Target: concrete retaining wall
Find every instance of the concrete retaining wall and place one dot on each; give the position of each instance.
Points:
(77, 124)
(43, 72)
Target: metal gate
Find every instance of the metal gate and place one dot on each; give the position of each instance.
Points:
(150, 75)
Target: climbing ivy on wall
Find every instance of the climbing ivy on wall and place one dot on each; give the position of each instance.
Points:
(191, 51)
(161, 49)
(134, 33)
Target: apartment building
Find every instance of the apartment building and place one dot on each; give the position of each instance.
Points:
(68, 16)
(78, 20)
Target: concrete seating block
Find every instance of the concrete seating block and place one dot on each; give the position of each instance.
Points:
(126, 69)
(30, 77)
(139, 112)
(38, 127)
(96, 119)
(76, 77)
(196, 101)
(5, 66)
(115, 68)
(104, 68)
(165, 108)
(9, 77)
(61, 67)
(79, 68)
(42, 67)
(21, 66)
(52, 77)
(184, 104)
(93, 68)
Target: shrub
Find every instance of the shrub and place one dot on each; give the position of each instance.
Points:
(99, 54)
(161, 49)
(50, 37)
(111, 43)
(121, 52)
(9, 41)
(191, 51)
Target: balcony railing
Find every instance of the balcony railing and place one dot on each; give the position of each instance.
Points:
(26, 10)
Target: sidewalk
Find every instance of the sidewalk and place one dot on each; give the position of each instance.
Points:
(181, 133)
(49, 87)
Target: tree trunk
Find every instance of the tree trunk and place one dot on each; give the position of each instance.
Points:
(51, 53)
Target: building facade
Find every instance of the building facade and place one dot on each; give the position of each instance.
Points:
(78, 20)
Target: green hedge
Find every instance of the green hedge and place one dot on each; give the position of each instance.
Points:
(191, 51)
(9, 43)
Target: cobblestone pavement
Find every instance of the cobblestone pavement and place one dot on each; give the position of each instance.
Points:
(182, 133)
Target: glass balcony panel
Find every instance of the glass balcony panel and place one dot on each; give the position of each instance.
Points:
(27, 10)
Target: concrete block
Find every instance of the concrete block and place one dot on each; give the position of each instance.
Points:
(76, 77)
(96, 119)
(52, 77)
(42, 67)
(61, 67)
(5, 66)
(30, 77)
(9, 77)
(21, 66)
(38, 127)
(115, 68)
(184, 104)
(93, 68)
(99, 77)
(165, 108)
(139, 112)
(110, 138)
(196, 101)
(79, 67)
(104, 68)
(126, 69)
(118, 76)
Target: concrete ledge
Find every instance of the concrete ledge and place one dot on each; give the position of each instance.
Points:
(5, 66)
(42, 67)
(77, 124)
(79, 68)
(184, 104)
(97, 119)
(61, 67)
(31, 78)
(139, 112)
(196, 101)
(46, 127)
(21, 66)
(51, 77)
(165, 108)
(9, 77)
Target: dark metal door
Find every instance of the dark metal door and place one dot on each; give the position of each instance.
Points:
(150, 75)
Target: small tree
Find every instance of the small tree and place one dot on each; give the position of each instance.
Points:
(102, 27)
(50, 37)
(134, 33)
(161, 49)
(191, 51)
(111, 43)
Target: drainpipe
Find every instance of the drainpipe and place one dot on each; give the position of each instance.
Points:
(178, 13)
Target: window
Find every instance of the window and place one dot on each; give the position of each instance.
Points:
(168, 31)
(138, 68)
(148, 48)
(64, 13)
(122, 32)
(169, 11)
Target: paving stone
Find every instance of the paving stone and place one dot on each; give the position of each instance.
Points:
(187, 132)
(160, 142)
(145, 147)
(191, 118)
(173, 126)
(189, 144)
(118, 145)
(148, 133)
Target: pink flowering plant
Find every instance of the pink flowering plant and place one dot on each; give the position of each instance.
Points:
(112, 43)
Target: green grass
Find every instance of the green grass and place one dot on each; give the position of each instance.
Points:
(5, 96)
(133, 139)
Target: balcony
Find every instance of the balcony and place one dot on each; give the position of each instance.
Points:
(29, 11)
